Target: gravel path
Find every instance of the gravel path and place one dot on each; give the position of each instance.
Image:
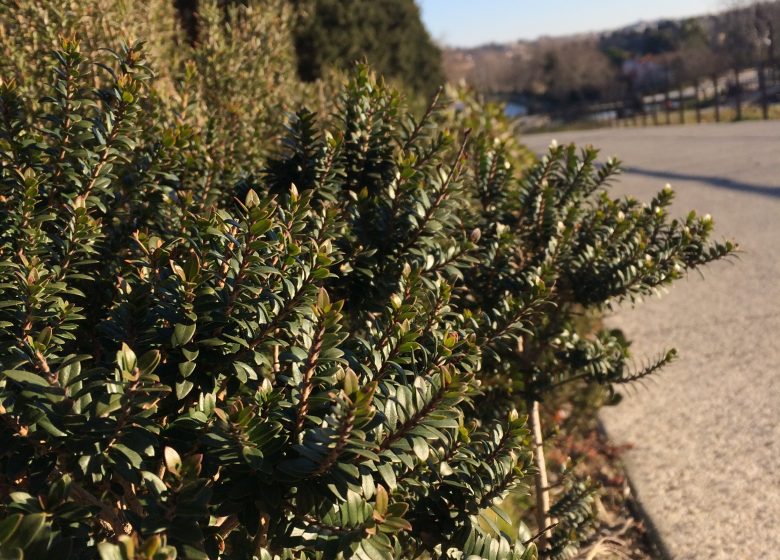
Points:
(706, 461)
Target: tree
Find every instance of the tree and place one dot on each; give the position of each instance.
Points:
(698, 61)
(763, 23)
(737, 33)
(770, 13)
(568, 74)
(388, 34)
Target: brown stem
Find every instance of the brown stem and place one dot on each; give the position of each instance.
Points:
(107, 513)
(225, 268)
(540, 533)
(276, 366)
(261, 538)
(130, 496)
(717, 97)
(228, 524)
(105, 155)
(308, 374)
(278, 318)
(442, 194)
(421, 124)
(411, 423)
(344, 432)
(680, 105)
(43, 366)
(540, 477)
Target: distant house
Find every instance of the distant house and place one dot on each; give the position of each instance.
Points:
(645, 72)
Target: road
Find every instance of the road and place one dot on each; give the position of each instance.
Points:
(706, 433)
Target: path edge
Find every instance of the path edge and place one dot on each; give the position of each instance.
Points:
(637, 507)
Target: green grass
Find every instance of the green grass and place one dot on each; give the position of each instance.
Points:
(727, 115)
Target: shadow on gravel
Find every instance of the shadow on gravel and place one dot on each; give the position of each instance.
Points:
(717, 182)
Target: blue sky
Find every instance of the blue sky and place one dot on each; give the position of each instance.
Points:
(465, 23)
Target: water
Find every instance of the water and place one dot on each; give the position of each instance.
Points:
(513, 110)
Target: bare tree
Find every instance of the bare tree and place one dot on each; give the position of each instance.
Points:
(740, 43)
(573, 73)
(697, 61)
(764, 21)
(771, 12)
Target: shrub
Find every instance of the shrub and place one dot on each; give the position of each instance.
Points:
(324, 359)
(184, 382)
(525, 256)
(227, 92)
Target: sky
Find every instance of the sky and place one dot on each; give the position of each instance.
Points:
(466, 23)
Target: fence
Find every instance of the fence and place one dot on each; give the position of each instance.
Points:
(750, 94)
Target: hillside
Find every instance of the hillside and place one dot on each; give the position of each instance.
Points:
(638, 59)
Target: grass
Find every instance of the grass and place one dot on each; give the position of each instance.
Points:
(727, 115)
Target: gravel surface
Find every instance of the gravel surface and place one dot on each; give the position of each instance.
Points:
(706, 433)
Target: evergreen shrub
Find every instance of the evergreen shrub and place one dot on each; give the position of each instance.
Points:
(331, 355)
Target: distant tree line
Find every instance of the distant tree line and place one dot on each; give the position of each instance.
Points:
(567, 74)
